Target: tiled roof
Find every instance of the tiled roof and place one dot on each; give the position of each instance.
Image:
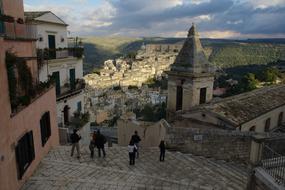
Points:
(245, 107)
(191, 57)
(34, 14)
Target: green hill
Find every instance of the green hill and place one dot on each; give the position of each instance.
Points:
(224, 53)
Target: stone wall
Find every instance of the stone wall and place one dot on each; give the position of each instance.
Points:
(219, 144)
(150, 133)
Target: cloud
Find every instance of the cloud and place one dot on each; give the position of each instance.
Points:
(214, 18)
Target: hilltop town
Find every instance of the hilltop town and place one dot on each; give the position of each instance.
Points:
(166, 116)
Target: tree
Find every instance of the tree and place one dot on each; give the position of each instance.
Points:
(270, 75)
(249, 82)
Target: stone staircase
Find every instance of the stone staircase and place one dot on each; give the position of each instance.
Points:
(59, 170)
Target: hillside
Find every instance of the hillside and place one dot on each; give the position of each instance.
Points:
(224, 53)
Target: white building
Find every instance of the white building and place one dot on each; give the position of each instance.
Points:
(56, 59)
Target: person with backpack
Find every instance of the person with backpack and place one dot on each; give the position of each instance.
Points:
(132, 152)
(92, 144)
(100, 141)
(136, 139)
(162, 151)
(75, 138)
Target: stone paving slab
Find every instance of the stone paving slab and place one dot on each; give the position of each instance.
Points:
(59, 170)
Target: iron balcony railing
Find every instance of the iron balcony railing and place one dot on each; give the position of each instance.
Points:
(274, 164)
(67, 90)
(18, 31)
(60, 53)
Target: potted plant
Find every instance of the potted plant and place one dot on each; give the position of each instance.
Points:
(20, 21)
(6, 18)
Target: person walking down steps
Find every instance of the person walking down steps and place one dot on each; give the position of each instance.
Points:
(162, 151)
(75, 138)
(136, 139)
(132, 152)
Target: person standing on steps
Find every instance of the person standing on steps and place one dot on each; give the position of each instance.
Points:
(162, 151)
(100, 141)
(75, 138)
(132, 152)
(92, 144)
(136, 139)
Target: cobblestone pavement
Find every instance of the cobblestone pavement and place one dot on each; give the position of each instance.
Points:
(60, 171)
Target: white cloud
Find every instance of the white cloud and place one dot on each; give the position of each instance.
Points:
(168, 18)
(235, 22)
(262, 4)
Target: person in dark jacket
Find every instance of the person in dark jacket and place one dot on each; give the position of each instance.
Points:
(100, 141)
(136, 139)
(162, 151)
(75, 138)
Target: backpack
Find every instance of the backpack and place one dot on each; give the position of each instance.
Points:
(73, 138)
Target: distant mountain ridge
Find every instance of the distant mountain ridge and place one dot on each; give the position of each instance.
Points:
(222, 52)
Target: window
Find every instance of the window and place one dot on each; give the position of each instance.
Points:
(280, 118)
(179, 98)
(25, 153)
(267, 125)
(203, 93)
(45, 128)
(252, 129)
(79, 107)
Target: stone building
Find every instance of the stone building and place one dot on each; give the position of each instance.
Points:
(190, 92)
(191, 77)
(28, 127)
(57, 60)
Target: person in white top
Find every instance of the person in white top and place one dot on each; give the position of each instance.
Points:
(132, 152)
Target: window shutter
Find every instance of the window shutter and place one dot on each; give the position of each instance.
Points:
(19, 159)
(48, 125)
(42, 125)
(31, 146)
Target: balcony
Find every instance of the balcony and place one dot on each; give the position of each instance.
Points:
(60, 53)
(23, 89)
(16, 29)
(69, 90)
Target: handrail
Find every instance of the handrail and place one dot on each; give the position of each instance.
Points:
(274, 164)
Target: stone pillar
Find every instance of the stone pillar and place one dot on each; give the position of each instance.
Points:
(255, 158)
(171, 99)
(187, 95)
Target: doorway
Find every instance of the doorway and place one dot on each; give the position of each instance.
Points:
(203, 93)
(51, 46)
(56, 77)
(72, 79)
(66, 114)
(179, 97)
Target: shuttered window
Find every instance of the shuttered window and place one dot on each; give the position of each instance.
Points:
(45, 128)
(25, 153)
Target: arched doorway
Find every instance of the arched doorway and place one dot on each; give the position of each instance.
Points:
(66, 114)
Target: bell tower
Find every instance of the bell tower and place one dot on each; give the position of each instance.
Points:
(191, 77)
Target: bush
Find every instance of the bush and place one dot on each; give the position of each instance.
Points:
(117, 88)
(133, 87)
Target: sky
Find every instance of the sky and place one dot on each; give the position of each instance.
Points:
(239, 19)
